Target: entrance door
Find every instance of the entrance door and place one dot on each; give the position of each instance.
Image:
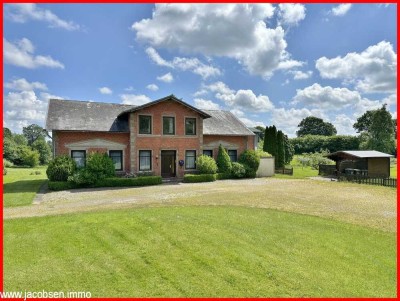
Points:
(168, 164)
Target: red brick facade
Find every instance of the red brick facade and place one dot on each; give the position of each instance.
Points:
(156, 142)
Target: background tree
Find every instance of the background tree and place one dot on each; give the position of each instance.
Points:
(364, 122)
(377, 130)
(44, 150)
(34, 132)
(7, 133)
(280, 150)
(315, 126)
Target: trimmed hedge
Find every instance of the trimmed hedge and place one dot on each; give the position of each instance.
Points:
(108, 182)
(224, 176)
(61, 185)
(311, 143)
(127, 182)
(199, 178)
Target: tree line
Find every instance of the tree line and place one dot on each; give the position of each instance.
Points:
(377, 131)
(27, 149)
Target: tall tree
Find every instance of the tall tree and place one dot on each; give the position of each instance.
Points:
(377, 130)
(280, 151)
(364, 122)
(315, 126)
(289, 149)
(381, 131)
(33, 132)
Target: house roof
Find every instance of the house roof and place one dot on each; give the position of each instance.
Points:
(359, 154)
(224, 123)
(170, 97)
(72, 115)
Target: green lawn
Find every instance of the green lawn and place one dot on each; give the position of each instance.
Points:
(20, 187)
(198, 251)
(299, 172)
(393, 171)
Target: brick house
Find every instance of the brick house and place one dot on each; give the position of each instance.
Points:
(163, 137)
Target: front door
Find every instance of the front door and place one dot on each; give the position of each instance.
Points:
(168, 164)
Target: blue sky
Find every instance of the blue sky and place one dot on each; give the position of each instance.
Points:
(268, 64)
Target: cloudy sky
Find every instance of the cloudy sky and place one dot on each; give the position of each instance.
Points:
(268, 64)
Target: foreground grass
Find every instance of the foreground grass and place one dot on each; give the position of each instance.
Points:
(20, 187)
(198, 251)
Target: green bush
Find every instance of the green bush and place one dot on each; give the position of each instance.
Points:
(29, 157)
(61, 185)
(100, 165)
(263, 154)
(238, 170)
(108, 182)
(60, 168)
(4, 171)
(199, 178)
(206, 165)
(83, 177)
(315, 159)
(7, 163)
(250, 158)
(223, 161)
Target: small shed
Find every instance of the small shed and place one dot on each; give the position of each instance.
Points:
(369, 163)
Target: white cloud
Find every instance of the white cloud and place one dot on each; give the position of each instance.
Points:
(297, 74)
(22, 13)
(130, 88)
(134, 99)
(373, 70)
(22, 84)
(156, 58)
(24, 108)
(206, 104)
(166, 78)
(291, 14)
(341, 9)
(21, 54)
(326, 97)
(241, 99)
(152, 87)
(105, 90)
(237, 31)
(237, 112)
(185, 64)
(288, 119)
(344, 125)
(251, 123)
